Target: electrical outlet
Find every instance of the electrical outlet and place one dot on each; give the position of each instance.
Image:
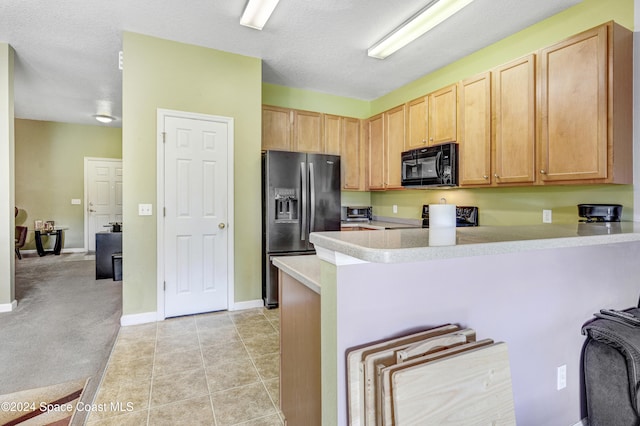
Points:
(145, 210)
(76, 201)
(546, 216)
(395, 208)
(562, 377)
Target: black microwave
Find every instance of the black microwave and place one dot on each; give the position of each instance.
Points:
(431, 166)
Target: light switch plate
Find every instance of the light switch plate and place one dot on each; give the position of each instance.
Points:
(76, 201)
(145, 210)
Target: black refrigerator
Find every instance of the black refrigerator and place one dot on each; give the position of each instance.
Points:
(300, 195)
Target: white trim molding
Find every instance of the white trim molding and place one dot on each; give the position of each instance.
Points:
(249, 304)
(135, 319)
(8, 307)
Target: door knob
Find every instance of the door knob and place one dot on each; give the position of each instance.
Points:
(221, 225)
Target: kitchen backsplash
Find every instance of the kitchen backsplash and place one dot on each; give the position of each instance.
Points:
(499, 206)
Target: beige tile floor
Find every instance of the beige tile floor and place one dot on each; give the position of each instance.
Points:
(211, 369)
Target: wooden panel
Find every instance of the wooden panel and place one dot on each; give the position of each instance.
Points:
(475, 130)
(394, 145)
(332, 134)
(351, 154)
(307, 131)
(443, 115)
(416, 133)
(470, 388)
(574, 77)
(276, 128)
(375, 133)
(300, 391)
(513, 100)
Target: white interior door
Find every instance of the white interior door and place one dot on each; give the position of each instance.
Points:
(103, 183)
(195, 221)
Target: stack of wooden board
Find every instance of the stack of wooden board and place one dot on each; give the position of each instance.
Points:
(439, 376)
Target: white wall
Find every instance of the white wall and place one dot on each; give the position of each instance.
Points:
(7, 191)
(636, 112)
(535, 301)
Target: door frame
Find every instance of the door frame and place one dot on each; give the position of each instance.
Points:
(229, 121)
(86, 194)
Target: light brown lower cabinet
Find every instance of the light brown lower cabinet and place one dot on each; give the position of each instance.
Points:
(300, 391)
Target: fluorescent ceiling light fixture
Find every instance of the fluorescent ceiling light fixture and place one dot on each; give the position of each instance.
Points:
(104, 118)
(430, 16)
(257, 13)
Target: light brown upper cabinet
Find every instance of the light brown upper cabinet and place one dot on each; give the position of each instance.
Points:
(416, 133)
(276, 128)
(514, 119)
(431, 119)
(442, 115)
(586, 108)
(375, 145)
(394, 129)
(307, 131)
(342, 137)
(332, 126)
(352, 154)
(474, 130)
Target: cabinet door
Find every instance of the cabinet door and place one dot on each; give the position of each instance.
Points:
(375, 133)
(307, 131)
(442, 115)
(416, 136)
(276, 128)
(394, 129)
(474, 130)
(332, 134)
(300, 362)
(514, 121)
(573, 108)
(351, 159)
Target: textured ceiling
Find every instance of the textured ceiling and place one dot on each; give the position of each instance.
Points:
(67, 50)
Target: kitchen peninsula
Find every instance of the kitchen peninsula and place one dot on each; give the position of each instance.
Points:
(530, 286)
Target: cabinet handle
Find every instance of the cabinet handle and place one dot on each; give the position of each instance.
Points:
(485, 177)
(431, 139)
(496, 175)
(543, 172)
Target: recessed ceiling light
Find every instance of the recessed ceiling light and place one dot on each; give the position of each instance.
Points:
(430, 16)
(104, 118)
(257, 13)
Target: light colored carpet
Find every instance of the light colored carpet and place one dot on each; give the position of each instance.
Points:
(50, 405)
(64, 326)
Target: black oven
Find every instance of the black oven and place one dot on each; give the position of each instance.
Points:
(431, 166)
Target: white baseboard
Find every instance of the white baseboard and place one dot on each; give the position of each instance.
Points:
(249, 304)
(8, 307)
(135, 319)
(64, 250)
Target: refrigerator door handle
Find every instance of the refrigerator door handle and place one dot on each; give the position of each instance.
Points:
(303, 183)
(312, 190)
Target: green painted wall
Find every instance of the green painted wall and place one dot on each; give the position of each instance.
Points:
(498, 206)
(308, 100)
(50, 172)
(170, 75)
(508, 206)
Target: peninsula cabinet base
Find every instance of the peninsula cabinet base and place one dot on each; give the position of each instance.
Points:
(300, 392)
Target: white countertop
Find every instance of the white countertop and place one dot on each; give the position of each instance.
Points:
(412, 245)
(378, 224)
(305, 269)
